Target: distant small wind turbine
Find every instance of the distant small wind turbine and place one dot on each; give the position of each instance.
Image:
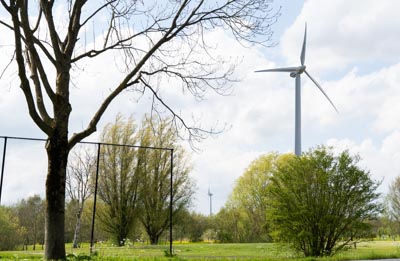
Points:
(295, 72)
(210, 195)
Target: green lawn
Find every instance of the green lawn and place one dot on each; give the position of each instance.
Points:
(206, 251)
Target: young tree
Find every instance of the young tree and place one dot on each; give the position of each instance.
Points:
(155, 171)
(249, 196)
(228, 225)
(31, 217)
(320, 201)
(191, 226)
(243, 218)
(119, 179)
(154, 38)
(393, 199)
(80, 170)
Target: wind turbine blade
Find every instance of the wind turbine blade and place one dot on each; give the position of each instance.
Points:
(287, 69)
(322, 90)
(303, 50)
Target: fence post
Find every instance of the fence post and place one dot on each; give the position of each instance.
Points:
(2, 166)
(171, 203)
(95, 197)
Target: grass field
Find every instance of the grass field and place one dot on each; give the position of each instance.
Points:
(206, 251)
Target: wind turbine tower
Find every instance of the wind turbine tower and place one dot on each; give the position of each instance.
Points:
(295, 72)
(210, 195)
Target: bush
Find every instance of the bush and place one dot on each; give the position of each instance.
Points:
(319, 201)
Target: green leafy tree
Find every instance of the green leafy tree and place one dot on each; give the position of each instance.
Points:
(250, 197)
(119, 179)
(134, 183)
(31, 217)
(154, 40)
(392, 208)
(11, 233)
(243, 219)
(191, 226)
(229, 225)
(320, 201)
(198, 224)
(154, 166)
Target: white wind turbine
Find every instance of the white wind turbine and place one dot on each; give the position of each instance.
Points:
(295, 72)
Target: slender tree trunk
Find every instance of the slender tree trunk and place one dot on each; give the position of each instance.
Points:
(57, 153)
(34, 236)
(75, 243)
(154, 240)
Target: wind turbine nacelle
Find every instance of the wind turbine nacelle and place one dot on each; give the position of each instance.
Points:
(298, 70)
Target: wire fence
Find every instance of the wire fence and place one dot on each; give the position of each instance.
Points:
(24, 167)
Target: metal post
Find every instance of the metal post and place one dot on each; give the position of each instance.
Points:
(297, 146)
(171, 202)
(211, 204)
(2, 166)
(95, 197)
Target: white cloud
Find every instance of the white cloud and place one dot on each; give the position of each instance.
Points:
(24, 170)
(381, 159)
(345, 33)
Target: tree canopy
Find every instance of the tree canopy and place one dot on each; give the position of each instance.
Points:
(119, 179)
(155, 172)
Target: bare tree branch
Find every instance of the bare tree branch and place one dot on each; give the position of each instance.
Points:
(232, 14)
(46, 6)
(73, 28)
(97, 11)
(195, 134)
(25, 85)
(8, 65)
(38, 21)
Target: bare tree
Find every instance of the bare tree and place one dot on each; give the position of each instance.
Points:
(393, 202)
(79, 173)
(174, 34)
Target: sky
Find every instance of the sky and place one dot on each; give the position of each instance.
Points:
(352, 51)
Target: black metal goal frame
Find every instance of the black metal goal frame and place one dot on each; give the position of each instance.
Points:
(99, 144)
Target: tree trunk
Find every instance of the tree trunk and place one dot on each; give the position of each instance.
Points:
(57, 153)
(154, 238)
(34, 236)
(75, 243)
